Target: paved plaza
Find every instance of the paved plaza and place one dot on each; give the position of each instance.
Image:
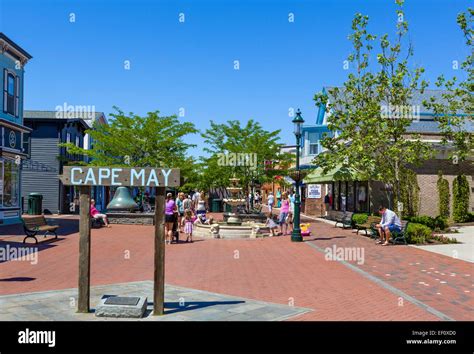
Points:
(292, 281)
(181, 304)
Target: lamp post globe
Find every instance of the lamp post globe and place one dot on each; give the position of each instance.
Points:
(296, 234)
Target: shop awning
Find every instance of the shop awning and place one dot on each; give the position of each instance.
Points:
(339, 173)
(289, 180)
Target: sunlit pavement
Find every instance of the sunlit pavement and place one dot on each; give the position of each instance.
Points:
(388, 283)
(463, 250)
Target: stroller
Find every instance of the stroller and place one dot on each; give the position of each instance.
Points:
(175, 231)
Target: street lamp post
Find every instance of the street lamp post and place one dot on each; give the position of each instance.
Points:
(296, 234)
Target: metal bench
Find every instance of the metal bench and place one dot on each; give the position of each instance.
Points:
(35, 224)
(395, 237)
(344, 218)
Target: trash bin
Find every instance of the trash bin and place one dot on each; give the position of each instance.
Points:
(35, 204)
(228, 208)
(216, 206)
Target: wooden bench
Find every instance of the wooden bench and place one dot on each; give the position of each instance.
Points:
(35, 224)
(344, 218)
(368, 224)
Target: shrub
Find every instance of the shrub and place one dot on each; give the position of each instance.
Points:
(418, 233)
(443, 196)
(444, 239)
(460, 199)
(470, 217)
(424, 220)
(440, 222)
(359, 218)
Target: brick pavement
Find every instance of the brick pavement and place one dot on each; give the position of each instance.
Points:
(271, 269)
(442, 282)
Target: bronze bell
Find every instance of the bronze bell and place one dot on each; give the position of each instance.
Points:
(122, 201)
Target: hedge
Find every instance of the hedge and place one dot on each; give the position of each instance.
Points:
(443, 196)
(460, 199)
(359, 218)
(433, 223)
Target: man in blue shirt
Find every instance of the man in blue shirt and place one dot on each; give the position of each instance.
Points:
(390, 223)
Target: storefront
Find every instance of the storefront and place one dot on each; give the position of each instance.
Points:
(343, 189)
(13, 148)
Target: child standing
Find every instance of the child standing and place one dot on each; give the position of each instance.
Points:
(188, 225)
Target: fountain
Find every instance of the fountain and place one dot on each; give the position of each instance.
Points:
(233, 225)
(233, 217)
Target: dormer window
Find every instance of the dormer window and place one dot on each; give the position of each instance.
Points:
(313, 143)
(11, 93)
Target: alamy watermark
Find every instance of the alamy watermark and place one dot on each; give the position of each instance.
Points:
(351, 254)
(67, 111)
(237, 159)
(400, 111)
(27, 254)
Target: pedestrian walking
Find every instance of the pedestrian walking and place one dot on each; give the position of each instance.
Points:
(170, 217)
(270, 201)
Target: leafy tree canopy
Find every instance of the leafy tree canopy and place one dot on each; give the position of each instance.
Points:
(133, 140)
(369, 115)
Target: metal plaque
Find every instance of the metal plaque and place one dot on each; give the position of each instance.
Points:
(122, 300)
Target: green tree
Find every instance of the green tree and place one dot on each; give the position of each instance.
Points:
(443, 196)
(370, 113)
(460, 199)
(456, 105)
(240, 149)
(132, 140)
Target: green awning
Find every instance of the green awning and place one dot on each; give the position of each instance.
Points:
(339, 173)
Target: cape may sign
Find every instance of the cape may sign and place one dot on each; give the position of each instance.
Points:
(120, 176)
(84, 177)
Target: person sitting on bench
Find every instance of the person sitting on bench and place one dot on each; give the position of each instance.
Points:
(390, 223)
(96, 215)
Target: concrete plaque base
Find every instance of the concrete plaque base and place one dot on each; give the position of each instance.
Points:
(118, 309)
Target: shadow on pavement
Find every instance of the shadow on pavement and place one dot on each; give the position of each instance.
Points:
(18, 279)
(66, 227)
(193, 305)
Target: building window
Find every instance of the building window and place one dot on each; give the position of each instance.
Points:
(343, 195)
(313, 143)
(9, 191)
(27, 144)
(362, 196)
(11, 93)
(350, 196)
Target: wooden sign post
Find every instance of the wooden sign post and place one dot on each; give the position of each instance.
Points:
(159, 274)
(84, 249)
(85, 177)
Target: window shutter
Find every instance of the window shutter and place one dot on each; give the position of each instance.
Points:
(5, 85)
(17, 96)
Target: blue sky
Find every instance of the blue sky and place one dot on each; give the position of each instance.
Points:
(190, 65)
